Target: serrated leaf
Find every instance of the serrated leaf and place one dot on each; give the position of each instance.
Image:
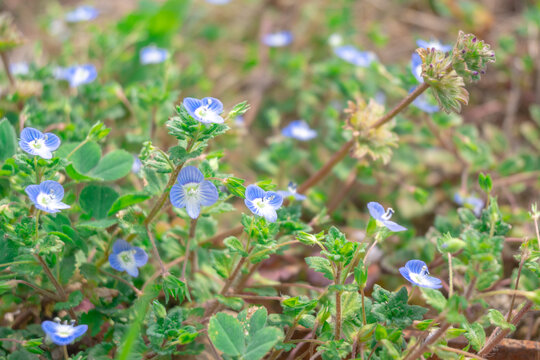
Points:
(321, 265)
(434, 298)
(476, 335)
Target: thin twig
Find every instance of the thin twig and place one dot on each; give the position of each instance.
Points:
(192, 228)
(164, 271)
(461, 352)
(133, 287)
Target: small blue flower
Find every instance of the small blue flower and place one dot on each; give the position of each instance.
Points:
(423, 104)
(137, 165)
(82, 13)
(77, 75)
(376, 210)
(278, 39)
(436, 44)
(291, 192)
(47, 196)
(218, 2)
(263, 203)
(192, 191)
(476, 204)
(354, 56)
(34, 142)
(416, 67)
(207, 110)
(299, 130)
(127, 258)
(19, 68)
(62, 334)
(416, 272)
(153, 55)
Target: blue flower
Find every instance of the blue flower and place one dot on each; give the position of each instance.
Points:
(436, 44)
(299, 130)
(137, 165)
(82, 13)
(416, 67)
(473, 202)
(76, 75)
(263, 203)
(423, 104)
(127, 258)
(34, 142)
(291, 192)
(278, 39)
(192, 191)
(19, 68)
(47, 196)
(354, 56)
(153, 55)
(416, 272)
(62, 334)
(218, 2)
(207, 110)
(376, 210)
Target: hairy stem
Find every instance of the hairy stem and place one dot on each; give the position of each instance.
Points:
(133, 287)
(461, 352)
(450, 276)
(164, 271)
(523, 259)
(432, 339)
(43, 292)
(337, 333)
(192, 228)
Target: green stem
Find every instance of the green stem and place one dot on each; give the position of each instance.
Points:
(77, 148)
(337, 334)
(450, 276)
(362, 292)
(192, 228)
(524, 257)
(164, 271)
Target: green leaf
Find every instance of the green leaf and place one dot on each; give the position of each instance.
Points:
(234, 245)
(485, 182)
(393, 308)
(476, 335)
(227, 335)
(99, 224)
(497, 319)
(85, 158)
(97, 200)
(321, 265)
(234, 303)
(434, 298)
(74, 299)
(258, 320)
(126, 201)
(113, 166)
(262, 342)
(8, 140)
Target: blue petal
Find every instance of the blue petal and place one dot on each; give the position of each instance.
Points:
(299, 130)
(80, 330)
(132, 270)
(26, 147)
(141, 257)
(52, 188)
(422, 103)
(278, 39)
(393, 226)
(213, 104)
(153, 55)
(33, 192)
(251, 206)
(61, 340)
(193, 208)
(52, 141)
(82, 13)
(405, 273)
(269, 214)
(416, 67)
(49, 327)
(458, 199)
(415, 266)
(121, 245)
(431, 282)
(80, 74)
(177, 196)
(376, 210)
(274, 199)
(192, 104)
(190, 174)
(115, 262)
(208, 192)
(422, 43)
(29, 134)
(254, 192)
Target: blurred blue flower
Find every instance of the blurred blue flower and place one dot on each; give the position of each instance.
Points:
(192, 191)
(82, 13)
(355, 56)
(335, 40)
(47, 196)
(423, 104)
(278, 39)
(62, 334)
(299, 130)
(377, 211)
(476, 204)
(125, 257)
(76, 75)
(153, 55)
(433, 43)
(416, 67)
(263, 203)
(207, 110)
(34, 142)
(218, 2)
(19, 68)
(291, 192)
(137, 165)
(239, 120)
(416, 272)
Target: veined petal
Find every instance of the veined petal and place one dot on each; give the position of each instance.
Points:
(49, 326)
(213, 104)
(79, 330)
(254, 192)
(253, 207)
(193, 208)
(52, 188)
(191, 104)
(208, 193)
(273, 199)
(141, 257)
(60, 340)
(405, 273)
(33, 192)
(177, 196)
(269, 213)
(115, 262)
(60, 205)
(29, 134)
(190, 174)
(44, 152)
(132, 269)
(415, 266)
(52, 141)
(211, 118)
(121, 245)
(393, 226)
(431, 282)
(376, 210)
(27, 148)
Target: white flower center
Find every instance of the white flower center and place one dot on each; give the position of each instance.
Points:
(80, 75)
(152, 56)
(421, 277)
(45, 199)
(260, 203)
(37, 144)
(64, 331)
(388, 214)
(127, 258)
(192, 190)
(301, 132)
